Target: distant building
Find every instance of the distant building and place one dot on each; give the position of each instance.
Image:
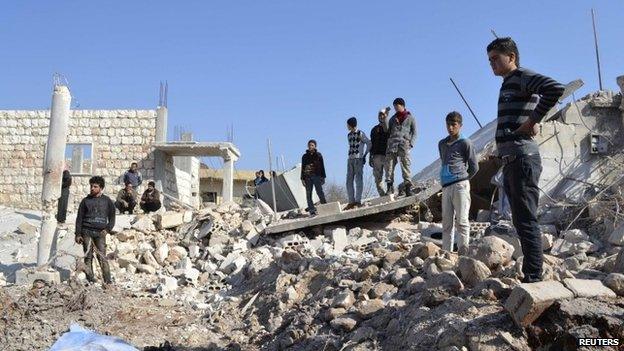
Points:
(211, 184)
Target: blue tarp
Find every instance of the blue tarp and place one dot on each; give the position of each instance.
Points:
(80, 339)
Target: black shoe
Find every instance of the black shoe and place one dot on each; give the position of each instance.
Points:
(390, 188)
(531, 279)
(408, 190)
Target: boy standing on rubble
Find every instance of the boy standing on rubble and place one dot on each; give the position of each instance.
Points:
(313, 175)
(458, 165)
(401, 136)
(95, 219)
(524, 99)
(359, 146)
(379, 145)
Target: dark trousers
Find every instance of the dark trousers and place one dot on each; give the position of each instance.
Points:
(521, 178)
(316, 182)
(95, 243)
(63, 201)
(120, 206)
(150, 206)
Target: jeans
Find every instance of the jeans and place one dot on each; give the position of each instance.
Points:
(521, 179)
(63, 201)
(455, 208)
(355, 171)
(150, 207)
(403, 157)
(379, 167)
(125, 208)
(317, 183)
(95, 242)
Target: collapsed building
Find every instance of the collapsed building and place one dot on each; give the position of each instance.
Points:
(248, 277)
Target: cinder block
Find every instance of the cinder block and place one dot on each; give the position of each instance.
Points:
(29, 276)
(587, 288)
(328, 208)
(528, 301)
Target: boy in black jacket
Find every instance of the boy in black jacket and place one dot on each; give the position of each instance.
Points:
(95, 219)
(313, 175)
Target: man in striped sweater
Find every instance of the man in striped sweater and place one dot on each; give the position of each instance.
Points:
(525, 98)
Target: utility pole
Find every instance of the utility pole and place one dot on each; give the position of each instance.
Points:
(596, 46)
(466, 102)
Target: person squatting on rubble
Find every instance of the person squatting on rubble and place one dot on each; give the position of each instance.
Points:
(133, 176)
(524, 99)
(379, 145)
(359, 146)
(126, 199)
(401, 130)
(150, 200)
(95, 219)
(313, 175)
(260, 178)
(63, 201)
(459, 165)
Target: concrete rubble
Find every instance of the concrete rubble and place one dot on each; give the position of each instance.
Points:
(364, 287)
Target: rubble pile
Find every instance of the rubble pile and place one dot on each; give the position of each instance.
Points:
(358, 289)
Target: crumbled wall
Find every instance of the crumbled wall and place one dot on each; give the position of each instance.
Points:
(119, 137)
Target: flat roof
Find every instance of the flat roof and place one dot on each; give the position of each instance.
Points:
(198, 149)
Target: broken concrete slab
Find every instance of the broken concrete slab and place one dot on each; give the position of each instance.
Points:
(328, 208)
(528, 301)
(144, 224)
(493, 251)
(617, 236)
(28, 276)
(615, 282)
(380, 200)
(587, 288)
(295, 224)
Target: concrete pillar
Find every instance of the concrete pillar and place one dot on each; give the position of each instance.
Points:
(161, 124)
(161, 137)
(228, 177)
(620, 82)
(53, 170)
(77, 157)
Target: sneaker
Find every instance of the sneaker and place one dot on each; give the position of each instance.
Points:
(408, 190)
(349, 206)
(390, 188)
(357, 204)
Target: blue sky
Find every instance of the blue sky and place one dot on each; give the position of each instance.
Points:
(291, 71)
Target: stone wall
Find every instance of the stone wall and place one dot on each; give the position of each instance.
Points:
(119, 137)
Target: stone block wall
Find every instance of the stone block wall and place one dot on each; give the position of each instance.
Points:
(119, 137)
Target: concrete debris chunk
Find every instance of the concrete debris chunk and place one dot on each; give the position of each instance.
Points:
(472, 271)
(27, 228)
(617, 236)
(615, 282)
(493, 251)
(587, 288)
(166, 285)
(161, 253)
(144, 224)
(344, 299)
(169, 220)
(27, 276)
(367, 308)
(145, 268)
(329, 208)
(339, 238)
(528, 301)
(343, 324)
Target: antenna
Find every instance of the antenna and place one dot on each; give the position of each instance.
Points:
(596, 45)
(494, 33)
(466, 102)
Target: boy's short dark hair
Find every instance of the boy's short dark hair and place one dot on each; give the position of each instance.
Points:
(399, 101)
(134, 164)
(312, 141)
(352, 122)
(454, 116)
(97, 180)
(505, 46)
(151, 183)
(127, 183)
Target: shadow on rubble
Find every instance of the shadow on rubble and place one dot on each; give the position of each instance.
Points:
(29, 215)
(10, 269)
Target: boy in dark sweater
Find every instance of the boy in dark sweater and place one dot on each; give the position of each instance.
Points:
(524, 99)
(313, 175)
(458, 165)
(95, 219)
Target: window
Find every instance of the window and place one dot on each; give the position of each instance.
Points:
(79, 158)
